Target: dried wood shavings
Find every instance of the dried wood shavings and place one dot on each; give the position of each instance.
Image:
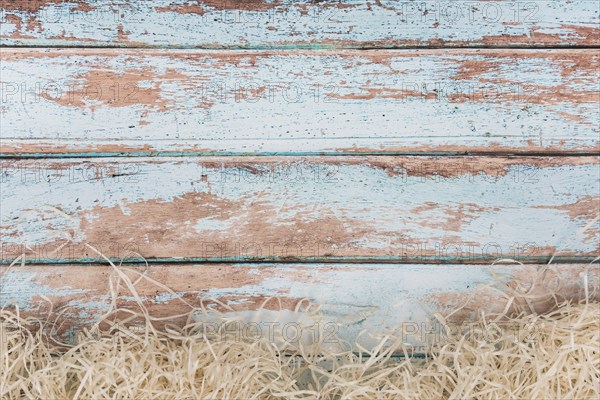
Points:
(554, 355)
(551, 356)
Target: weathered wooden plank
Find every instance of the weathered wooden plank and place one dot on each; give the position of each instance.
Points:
(291, 23)
(110, 102)
(397, 209)
(376, 298)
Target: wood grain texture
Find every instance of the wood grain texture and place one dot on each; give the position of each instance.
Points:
(296, 24)
(396, 209)
(170, 102)
(352, 297)
(116, 119)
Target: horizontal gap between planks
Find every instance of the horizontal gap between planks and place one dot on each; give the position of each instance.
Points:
(315, 47)
(314, 260)
(175, 154)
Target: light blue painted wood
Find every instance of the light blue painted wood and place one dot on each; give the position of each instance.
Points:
(293, 24)
(389, 209)
(381, 298)
(398, 102)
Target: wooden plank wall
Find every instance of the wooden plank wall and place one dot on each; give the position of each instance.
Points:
(371, 156)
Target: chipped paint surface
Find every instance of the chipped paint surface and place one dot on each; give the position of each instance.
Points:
(293, 24)
(381, 297)
(167, 101)
(23, 288)
(460, 209)
(141, 138)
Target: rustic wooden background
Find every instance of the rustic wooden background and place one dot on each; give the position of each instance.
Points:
(371, 156)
